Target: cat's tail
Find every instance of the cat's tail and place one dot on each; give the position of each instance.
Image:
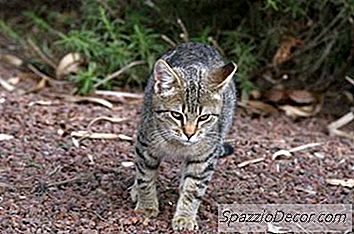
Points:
(227, 150)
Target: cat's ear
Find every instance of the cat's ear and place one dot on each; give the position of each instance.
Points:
(166, 79)
(220, 77)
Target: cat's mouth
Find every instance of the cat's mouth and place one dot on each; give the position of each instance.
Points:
(184, 140)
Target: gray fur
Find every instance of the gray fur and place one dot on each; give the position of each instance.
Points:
(160, 135)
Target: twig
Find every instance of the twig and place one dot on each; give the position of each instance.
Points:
(100, 101)
(320, 38)
(44, 76)
(342, 134)
(44, 57)
(330, 25)
(6, 85)
(55, 170)
(70, 180)
(303, 147)
(216, 45)
(184, 35)
(99, 216)
(38, 72)
(287, 153)
(333, 128)
(168, 40)
(118, 73)
(347, 118)
(252, 161)
(119, 94)
(350, 80)
(324, 55)
(97, 135)
(109, 119)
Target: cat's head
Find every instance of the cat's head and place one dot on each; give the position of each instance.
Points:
(188, 109)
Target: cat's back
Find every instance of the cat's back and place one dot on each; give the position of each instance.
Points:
(193, 54)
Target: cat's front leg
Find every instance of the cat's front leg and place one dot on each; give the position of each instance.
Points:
(196, 176)
(144, 189)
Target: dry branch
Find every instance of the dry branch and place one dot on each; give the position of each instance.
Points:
(106, 118)
(184, 35)
(43, 56)
(6, 85)
(119, 94)
(118, 73)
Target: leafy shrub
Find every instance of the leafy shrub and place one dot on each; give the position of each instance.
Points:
(113, 33)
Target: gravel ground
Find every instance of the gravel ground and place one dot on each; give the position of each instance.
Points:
(49, 185)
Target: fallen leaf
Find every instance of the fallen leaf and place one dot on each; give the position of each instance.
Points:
(301, 96)
(285, 50)
(5, 137)
(252, 161)
(301, 111)
(258, 107)
(69, 64)
(275, 95)
(40, 85)
(342, 182)
(11, 59)
(262, 106)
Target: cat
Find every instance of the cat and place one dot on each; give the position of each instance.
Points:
(187, 111)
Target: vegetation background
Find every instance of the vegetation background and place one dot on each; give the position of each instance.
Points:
(278, 45)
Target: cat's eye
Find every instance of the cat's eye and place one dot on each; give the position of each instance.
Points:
(204, 117)
(176, 115)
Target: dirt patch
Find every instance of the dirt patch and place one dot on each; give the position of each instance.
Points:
(48, 185)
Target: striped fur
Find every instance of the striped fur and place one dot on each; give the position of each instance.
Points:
(187, 111)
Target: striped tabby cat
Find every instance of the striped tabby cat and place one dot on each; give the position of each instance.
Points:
(188, 109)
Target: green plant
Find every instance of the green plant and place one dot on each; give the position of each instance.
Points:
(241, 50)
(111, 34)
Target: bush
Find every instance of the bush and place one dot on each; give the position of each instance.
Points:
(308, 42)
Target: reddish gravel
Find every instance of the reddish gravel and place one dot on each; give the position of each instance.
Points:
(48, 185)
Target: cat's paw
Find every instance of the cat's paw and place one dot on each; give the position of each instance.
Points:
(183, 223)
(149, 210)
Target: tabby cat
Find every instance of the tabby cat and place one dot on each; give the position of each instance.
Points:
(187, 111)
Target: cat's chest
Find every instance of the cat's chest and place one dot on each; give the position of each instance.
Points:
(166, 149)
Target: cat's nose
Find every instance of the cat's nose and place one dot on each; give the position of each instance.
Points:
(189, 130)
